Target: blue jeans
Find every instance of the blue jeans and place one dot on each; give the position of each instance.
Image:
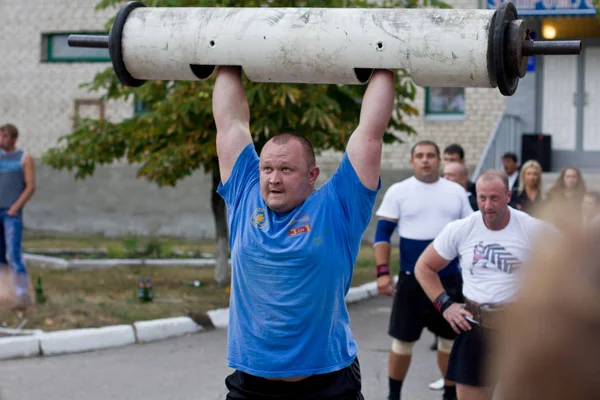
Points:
(11, 233)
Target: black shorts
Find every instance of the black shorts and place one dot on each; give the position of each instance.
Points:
(468, 359)
(344, 384)
(412, 310)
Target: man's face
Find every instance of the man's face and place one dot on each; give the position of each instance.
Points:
(453, 173)
(286, 179)
(451, 157)
(425, 162)
(492, 198)
(510, 166)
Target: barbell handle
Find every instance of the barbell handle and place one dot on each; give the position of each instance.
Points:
(529, 47)
(89, 41)
(551, 47)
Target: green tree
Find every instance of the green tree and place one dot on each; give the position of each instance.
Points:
(175, 135)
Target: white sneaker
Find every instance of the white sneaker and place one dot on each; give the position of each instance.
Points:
(437, 385)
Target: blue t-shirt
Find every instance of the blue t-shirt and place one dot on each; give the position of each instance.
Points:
(291, 272)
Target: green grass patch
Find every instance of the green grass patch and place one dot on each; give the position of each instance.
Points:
(98, 297)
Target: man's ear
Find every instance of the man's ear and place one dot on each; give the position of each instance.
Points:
(313, 174)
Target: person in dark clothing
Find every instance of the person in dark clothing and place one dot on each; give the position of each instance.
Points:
(529, 195)
(455, 153)
(511, 167)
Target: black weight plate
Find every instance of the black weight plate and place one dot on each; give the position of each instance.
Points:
(115, 48)
(504, 14)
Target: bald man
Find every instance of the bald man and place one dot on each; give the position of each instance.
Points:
(458, 172)
(492, 245)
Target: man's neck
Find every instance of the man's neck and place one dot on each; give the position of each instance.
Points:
(428, 180)
(10, 149)
(501, 224)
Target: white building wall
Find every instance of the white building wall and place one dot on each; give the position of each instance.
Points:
(38, 97)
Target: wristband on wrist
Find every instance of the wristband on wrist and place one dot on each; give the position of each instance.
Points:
(442, 302)
(383, 269)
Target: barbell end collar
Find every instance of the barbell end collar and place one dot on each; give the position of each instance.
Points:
(551, 47)
(88, 41)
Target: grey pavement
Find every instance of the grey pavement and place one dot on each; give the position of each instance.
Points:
(194, 367)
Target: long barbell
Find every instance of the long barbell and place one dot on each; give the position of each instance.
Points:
(439, 47)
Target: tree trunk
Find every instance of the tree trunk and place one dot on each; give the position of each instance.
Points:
(219, 210)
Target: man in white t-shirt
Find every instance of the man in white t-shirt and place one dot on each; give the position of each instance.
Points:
(492, 244)
(419, 207)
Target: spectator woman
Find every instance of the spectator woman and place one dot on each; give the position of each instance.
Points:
(529, 195)
(569, 188)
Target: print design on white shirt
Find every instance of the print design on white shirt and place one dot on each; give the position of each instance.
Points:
(494, 254)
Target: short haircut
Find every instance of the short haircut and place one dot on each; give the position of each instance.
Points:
(510, 155)
(309, 151)
(425, 143)
(462, 168)
(455, 149)
(11, 129)
(494, 174)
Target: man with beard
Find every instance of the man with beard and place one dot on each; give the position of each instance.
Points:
(492, 244)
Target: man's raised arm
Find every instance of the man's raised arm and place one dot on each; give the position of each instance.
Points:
(232, 118)
(365, 144)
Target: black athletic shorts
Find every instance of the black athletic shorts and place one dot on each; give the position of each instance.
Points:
(468, 359)
(344, 384)
(412, 310)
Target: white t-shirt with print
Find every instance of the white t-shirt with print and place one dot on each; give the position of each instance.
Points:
(490, 261)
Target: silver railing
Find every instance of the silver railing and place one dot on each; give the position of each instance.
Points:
(506, 137)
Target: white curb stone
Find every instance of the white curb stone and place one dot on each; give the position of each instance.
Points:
(46, 261)
(176, 262)
(219, 317)
(160, 329)
(61, 263)
(371, 288)
(19, 332)
(356, 294)
(79, 340)
(108, 262)
(19, 347)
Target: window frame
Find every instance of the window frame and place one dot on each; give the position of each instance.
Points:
(78, 103)
(47, 48)
(443, 115)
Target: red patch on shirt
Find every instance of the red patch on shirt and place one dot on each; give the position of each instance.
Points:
(300, 229)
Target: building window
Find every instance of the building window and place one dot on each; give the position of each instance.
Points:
(444, 101)
(87, 108)
(140, 107)
(55, 48)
